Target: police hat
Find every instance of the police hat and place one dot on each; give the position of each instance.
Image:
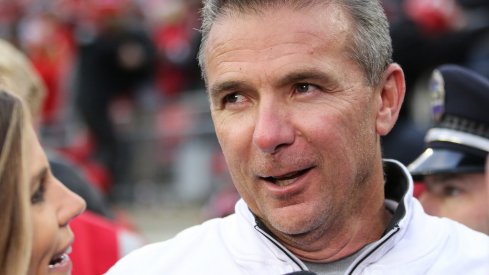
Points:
(458, 141)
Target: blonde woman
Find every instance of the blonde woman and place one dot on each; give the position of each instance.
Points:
(37, 208)
(105, 236)
(17, 75)
(15, 232)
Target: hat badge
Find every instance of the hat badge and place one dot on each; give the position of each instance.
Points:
(437, 91)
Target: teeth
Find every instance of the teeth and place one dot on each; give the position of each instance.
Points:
(59, 261)
(284, 182)
(286, 179)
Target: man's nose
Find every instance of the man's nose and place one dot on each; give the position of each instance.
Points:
(273, 129)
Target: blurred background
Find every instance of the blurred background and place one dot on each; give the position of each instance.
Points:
(125, 102)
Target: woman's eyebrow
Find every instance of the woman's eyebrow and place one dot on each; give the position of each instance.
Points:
(41, 174)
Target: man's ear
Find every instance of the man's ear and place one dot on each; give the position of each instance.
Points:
(392, 91)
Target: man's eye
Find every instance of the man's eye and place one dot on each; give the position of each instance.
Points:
(451, 191)
(233, 98)
(304, 87)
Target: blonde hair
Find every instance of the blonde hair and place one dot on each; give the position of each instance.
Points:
(15, 229)
(17, 75)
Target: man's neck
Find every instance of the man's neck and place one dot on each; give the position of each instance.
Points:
(339, 242)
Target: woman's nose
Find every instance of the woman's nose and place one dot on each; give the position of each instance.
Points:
(70, 206)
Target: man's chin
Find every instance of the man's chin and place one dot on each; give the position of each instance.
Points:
(293, 222)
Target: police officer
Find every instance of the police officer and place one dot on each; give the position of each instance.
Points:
(452, 166)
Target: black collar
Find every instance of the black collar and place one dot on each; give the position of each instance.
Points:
(395, 188)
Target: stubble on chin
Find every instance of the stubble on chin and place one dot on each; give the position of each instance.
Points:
(301, 227)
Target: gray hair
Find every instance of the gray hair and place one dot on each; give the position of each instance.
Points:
(370, 46)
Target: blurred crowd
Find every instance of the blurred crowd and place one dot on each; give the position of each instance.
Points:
(426, 34)
(102, 63)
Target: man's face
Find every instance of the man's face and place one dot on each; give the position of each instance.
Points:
(461, 197)
(294, 116)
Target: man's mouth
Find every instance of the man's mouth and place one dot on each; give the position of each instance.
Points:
(286, 179)
(60, 258)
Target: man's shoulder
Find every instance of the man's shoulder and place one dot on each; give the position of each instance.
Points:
(450, 235)
(196, 236)
(434, 245)
(460, 250)
(465, 242)
(195, 242)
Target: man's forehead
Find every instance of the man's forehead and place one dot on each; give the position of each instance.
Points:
(283, 25)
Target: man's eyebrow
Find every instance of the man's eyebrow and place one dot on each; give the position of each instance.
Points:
(290, 78)
(303, 75)
(219, 88)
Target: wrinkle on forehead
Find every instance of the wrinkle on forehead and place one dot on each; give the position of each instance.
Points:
(262, 46)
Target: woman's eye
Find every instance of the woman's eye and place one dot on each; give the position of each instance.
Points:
(38, 195)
